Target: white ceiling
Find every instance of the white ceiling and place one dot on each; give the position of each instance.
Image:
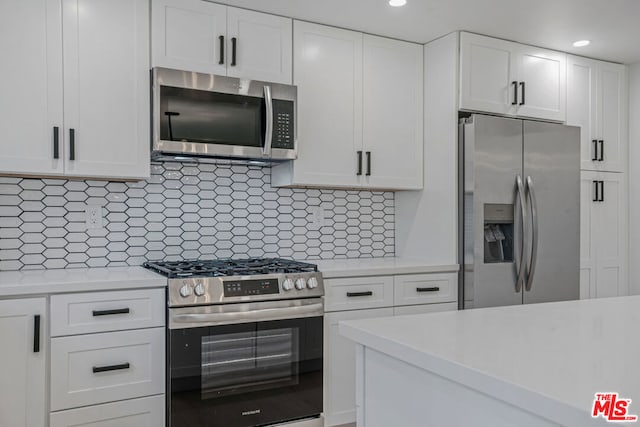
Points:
(613, 26)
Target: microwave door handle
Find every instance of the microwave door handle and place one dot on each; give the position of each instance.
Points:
(268, 133)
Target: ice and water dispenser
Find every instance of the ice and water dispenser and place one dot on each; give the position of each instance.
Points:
(498, 233)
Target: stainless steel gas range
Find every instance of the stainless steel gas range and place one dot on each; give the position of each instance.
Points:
(244, 342)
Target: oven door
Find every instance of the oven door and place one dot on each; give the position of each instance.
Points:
(239, 365)
(208, 115)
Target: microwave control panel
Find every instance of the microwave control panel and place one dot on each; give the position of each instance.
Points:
(283, 125)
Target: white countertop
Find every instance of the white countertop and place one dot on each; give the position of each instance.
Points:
(547, 358)
(360, 267)
(32, 282)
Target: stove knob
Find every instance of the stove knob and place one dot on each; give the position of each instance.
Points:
(287, 285)
(312, 283)
(199, 289)
(185, 291)
(301, 284)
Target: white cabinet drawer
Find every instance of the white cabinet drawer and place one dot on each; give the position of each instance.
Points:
(358, 293)
(145, 412)
(100, 368)
(424, 308)
(416, 289)
(73, 314)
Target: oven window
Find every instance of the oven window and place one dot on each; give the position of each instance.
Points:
(240, 375)
(211, 117)
(242, 362)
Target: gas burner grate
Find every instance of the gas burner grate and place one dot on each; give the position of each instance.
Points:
(228, 267)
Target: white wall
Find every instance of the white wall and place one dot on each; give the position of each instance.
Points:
(634, 179)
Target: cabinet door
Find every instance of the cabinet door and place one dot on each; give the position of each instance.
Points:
(340, 364)
(588, 227)
(581, 107)
(327, 68)
(22, 371)
(148, 411)
(31, 87)
(612, 116)
(542, 83)
(106, 87)
(392, 113)
(611, 228)
(186, 35)
(486, 74)
(261, 45)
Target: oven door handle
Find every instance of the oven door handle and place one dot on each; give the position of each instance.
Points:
(184, 320)
(268, 132)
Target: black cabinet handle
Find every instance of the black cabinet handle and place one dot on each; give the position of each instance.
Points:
(359, 294)
(515, 93)
(596, 185)
(234, 43)
(221, 61)
(522, 85)
(56, 142)
(36, 333)
(601, 199)
(431, 289)
(601, 158)
(97, 313)
(368, 163)
(359, 172)
(72, 144)
(595, 150)
(97, 369)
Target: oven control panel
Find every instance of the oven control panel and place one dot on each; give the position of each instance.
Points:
(245, 288)
(217, 290)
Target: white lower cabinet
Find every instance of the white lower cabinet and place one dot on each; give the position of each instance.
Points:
(23, 362)
(108, 359)
(97, 368)
(356, 298)
(145, 412)
(603, 236)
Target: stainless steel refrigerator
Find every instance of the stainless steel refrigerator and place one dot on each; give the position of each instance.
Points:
(519, 210)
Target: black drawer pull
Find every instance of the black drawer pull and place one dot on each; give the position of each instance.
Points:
(359, 294)
(432, 289)
(36, 333)
(72, 144)
(359, 172)
(515, 93)
(601, 158)
(221, 38)
(97, 369)
(56, 142)
(97, 313)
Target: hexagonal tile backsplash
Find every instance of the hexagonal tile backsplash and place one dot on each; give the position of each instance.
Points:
(187, 211)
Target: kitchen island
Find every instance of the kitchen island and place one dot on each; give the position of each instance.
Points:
(531, 365)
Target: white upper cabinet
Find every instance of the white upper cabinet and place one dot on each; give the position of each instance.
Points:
(200, 36)
(31, 87)
(509, 78)
(106, 88)
(327, 64)
(261, 46)
(360, 103)
(189, 35)
(486, 74)
(93, 119)
(603, 245)
(597, 102)
(23, 367)
(392, 113)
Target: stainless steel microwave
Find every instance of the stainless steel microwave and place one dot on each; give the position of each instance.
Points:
(199, 115)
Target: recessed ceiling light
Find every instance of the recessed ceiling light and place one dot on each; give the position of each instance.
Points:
(581, 43)
(397, 3)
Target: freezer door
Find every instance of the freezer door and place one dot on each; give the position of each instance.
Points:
(490, 220)
(552, 174)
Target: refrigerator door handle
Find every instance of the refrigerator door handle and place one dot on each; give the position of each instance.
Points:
(534, 235)
(523, 217)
